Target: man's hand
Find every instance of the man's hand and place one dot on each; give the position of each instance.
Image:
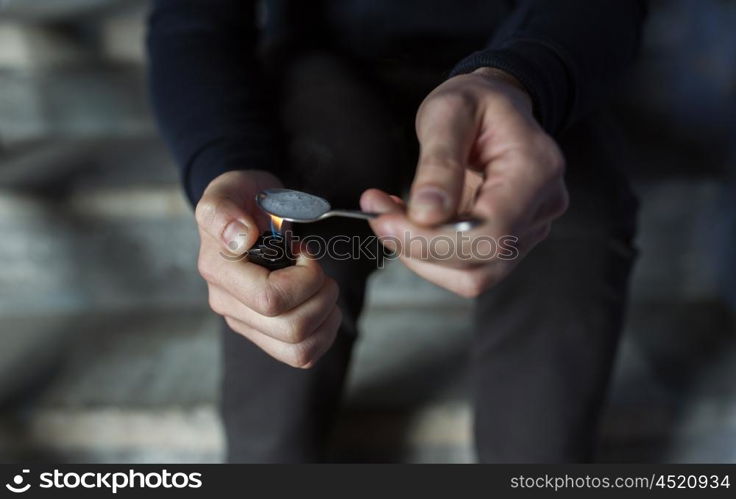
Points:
(290, 313)
(481, 153)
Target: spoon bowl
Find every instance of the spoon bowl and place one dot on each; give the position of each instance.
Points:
(293, 206)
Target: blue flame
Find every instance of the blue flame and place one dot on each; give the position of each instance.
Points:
(274, 231)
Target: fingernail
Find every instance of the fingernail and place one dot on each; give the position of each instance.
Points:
(367, 205)
(427, 202)
(234, 236)
(377, 205)
(383, 206)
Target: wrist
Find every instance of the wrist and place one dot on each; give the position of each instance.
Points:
(498, 76)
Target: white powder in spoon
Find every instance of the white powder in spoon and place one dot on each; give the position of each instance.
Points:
(294, 205)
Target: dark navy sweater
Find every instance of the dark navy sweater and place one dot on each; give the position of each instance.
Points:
(207, 83)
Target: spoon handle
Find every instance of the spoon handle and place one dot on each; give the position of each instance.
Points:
(363, 215)
(459, 224)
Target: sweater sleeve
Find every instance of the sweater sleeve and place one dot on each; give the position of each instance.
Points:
(566, 53)
(206, 89)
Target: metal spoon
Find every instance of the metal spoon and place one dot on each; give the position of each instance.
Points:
(301, 207)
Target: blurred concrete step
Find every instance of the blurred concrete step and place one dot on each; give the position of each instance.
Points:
(38, 11)
(76, 101)
(65, 257)
(121, 36)
(46, 34)
(68, 72)
(29, 47)
(55, 167)
(98, 386)
(119, 386)
(94, 223)
(143, 386)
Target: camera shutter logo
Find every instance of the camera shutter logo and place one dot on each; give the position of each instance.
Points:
(16, 484)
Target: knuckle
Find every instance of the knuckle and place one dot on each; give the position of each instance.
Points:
(449, 102)
(544, 152)
(232, 324)
(551, 154)
(205, 211)
(270, 302)
(205, 269)
(556, 160)
(297, 330)
(301, 357)
(563, 202)
(215, 305)
(457, 99)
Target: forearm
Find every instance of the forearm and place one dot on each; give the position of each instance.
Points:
(567, 54)
(206, 89)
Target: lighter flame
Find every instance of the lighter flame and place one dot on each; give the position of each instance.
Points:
(276, 223)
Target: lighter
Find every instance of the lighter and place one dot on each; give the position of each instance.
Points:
(272, 250)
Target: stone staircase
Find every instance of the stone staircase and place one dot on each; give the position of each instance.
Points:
(109, 353)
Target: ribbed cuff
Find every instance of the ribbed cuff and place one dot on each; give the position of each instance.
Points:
(540, 70)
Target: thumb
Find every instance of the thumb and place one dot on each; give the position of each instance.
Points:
(220, 214)
(446, 129)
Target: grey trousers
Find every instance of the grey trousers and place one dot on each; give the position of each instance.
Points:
(545, 338)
